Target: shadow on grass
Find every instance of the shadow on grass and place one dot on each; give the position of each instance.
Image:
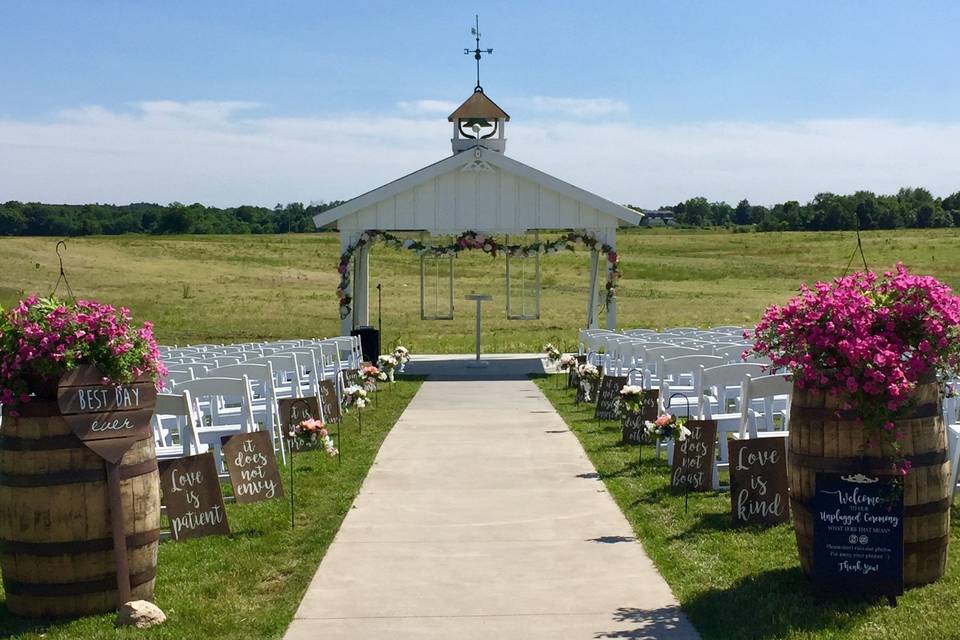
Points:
(664, 622)
(780, 601)
(11, 625)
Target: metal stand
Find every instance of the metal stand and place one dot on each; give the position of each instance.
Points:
(479, 298)
(686, 484)
(291, 436)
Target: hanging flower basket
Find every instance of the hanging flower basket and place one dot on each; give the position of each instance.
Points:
(865, 352)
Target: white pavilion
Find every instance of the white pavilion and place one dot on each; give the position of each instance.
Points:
(478, 188)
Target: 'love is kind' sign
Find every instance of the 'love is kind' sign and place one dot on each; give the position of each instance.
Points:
(252, 466)
(193, 498)
(107, 418)
(758, 481)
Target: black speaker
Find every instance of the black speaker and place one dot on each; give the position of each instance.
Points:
(369, 343)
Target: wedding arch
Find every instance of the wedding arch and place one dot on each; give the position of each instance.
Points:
(481, 198)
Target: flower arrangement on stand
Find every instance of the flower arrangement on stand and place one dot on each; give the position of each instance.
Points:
(669, 427)
(371, 375)
(631, 399)
(43, 338)
(355, 396)
(553, 354)
(589, 377)
(402, 354)
(387, 364)
(310, 432)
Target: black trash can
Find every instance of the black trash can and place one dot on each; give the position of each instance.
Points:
(369, 343)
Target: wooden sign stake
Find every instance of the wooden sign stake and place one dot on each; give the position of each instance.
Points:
(119, 536)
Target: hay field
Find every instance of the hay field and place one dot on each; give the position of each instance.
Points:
(236, 288)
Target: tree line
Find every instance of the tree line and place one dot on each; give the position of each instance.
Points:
(909, 207)
(37, 219)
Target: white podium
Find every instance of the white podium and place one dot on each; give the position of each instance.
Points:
(480, 298)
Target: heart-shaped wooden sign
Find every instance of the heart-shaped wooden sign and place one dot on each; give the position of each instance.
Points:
(107, 418)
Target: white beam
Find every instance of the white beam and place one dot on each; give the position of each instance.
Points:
(610, 237)
(361, 287)
(592, 300)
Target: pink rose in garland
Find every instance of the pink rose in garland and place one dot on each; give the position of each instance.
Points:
(42, 338)
(868, 340)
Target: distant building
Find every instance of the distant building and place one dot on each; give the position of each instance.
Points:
(659, 218)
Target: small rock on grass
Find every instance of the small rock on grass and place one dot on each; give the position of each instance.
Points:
(140, 614)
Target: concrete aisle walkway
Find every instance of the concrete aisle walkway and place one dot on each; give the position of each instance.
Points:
(482, 518)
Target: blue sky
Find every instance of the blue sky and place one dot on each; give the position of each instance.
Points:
(647, 102)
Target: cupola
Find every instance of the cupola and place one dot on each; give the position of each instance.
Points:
(478, 122)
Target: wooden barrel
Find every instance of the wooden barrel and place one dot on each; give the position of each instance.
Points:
(56, 544)
(825, 438)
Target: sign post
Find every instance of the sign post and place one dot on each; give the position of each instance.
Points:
(109, 419)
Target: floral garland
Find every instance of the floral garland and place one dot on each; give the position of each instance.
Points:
(470, 240)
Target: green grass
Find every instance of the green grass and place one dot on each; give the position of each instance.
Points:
(744, 583)
(248, 585)
(230, 288)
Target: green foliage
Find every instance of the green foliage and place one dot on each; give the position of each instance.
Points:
(910, 207)
(36, 219)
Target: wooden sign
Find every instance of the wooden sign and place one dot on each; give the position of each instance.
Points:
(759, 491)
(573, 380)
(252, 465)
(329, 401)
(608, 397)
(193, 498)
(649, 405)
(633, 428)
(107, 418)
(858, 534)
(582, 392)
(693, 457)
(303, 409)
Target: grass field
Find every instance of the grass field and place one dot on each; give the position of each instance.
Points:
(745, 583)
(249, 584)
(230, 288)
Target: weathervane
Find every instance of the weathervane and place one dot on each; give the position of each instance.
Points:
(478, 51)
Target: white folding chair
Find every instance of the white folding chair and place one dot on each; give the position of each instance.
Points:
(210, 394)
(175, 412)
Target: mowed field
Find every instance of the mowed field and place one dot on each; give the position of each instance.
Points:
(238, 288)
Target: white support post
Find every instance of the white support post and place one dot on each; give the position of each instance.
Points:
(361, 287)
(346, 324)
(592, 300)
(611, 239)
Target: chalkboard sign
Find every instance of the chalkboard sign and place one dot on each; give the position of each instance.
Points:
(693, 457)
(329, 401)
(193, 498)
(608, 397)
(648, 404)
(858, 534)
(252, 465)
(107, 418)
(758, 481)
(632, 429)
(303, 409)
(573, 380)
(593, 384)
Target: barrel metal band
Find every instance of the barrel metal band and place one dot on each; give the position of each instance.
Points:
(926, 410)
(53, 589)
(74, 547)
(52, 443)
(75, 477)
(864, 464)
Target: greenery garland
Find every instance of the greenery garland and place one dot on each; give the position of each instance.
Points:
(470, 240)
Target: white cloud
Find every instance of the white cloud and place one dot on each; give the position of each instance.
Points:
(443, 107)
(574, 107)
(226, 153)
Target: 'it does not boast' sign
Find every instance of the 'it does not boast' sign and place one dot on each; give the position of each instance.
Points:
(693, 457)
(252, 466)
(192, 496)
